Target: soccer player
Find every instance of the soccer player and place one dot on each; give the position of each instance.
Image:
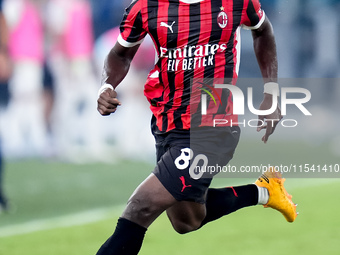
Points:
(197, 42)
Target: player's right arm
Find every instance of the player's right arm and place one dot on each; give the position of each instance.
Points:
(116, 67)
(119, 58)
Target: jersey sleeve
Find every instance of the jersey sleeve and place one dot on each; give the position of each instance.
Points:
(254, 15)
(132, 31)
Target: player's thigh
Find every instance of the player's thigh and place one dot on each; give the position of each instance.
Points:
(148, 201)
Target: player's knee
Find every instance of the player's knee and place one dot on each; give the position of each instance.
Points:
(142, 210)
(182, 227)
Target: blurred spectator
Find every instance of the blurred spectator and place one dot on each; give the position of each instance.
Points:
(48, 100)
(269, 6)
(25, 131)
(76, 129)
(57, 89)
(107, 14)
(5, 71)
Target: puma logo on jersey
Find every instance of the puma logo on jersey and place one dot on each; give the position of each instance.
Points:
(163, 24)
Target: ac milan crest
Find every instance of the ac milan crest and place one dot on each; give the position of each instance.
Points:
(222, 18)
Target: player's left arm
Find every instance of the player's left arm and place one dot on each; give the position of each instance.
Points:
(265, 51)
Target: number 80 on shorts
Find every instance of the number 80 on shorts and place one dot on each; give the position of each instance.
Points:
(183, 161)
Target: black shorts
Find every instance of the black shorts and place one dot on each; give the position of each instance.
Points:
(183, 157)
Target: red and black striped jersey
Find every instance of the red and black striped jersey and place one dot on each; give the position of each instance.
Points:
(198, 44)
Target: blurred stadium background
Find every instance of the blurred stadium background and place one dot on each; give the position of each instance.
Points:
(68, 171)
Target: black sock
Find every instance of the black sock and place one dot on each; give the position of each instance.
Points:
(223, 201)
(126, 240)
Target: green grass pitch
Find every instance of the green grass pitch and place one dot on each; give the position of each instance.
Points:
(43, 191)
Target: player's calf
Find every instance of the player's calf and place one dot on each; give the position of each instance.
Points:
(186, 216)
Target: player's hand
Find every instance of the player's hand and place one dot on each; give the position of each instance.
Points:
(270, 120)
(107, 102)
